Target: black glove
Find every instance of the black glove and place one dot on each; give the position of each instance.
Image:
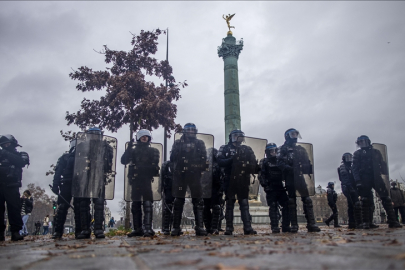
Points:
(55, 189)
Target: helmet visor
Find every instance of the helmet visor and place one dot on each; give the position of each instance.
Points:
(190, 131)
(271, 152)
(238, 137)
(294, 134)
(348, 158)
(363, 143)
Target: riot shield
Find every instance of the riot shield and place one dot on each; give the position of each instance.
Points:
(381, 172)
(303, 164)
(258, 146)
(94, 168)
(192, 159)
(142, 173)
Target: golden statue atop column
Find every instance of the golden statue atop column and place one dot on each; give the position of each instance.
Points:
(228, 18)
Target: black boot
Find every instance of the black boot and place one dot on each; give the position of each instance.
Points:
(136, 209)
(216, 213)
(15, 236)
(292, 209)
(230, 204)
(273, 217)
(309, 214)
(78, 225)
(2, 238)
(246, 218)
(84, 219)
(392, 218)
(99, 218)
(147, 219)
(336, 221)
(177, 215)
(207, 218)
(365, 212)
(167, 218)
(198, 205)
(59, 220)
(357, 215)
(285, 224)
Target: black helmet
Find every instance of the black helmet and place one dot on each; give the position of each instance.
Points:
(363, 141)
(237, 136)
(347, 157)
(8, 138)
(190, 130)
(393, 184)
(330, 184)
(271, 148)
(292, 134)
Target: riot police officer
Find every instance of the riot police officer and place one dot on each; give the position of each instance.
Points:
(271, 179)
(189, 157)
(368, 168)
(294, 161)
(349, 190)
(238, 162)
(211, 219)
(144, 166)
(168, 199)
(95, 172)
(11, 164)
(332, 199)
(62, 186)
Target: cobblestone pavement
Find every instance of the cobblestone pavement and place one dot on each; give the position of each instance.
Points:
(380, 248)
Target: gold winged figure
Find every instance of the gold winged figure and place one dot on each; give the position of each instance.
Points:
(228, 18)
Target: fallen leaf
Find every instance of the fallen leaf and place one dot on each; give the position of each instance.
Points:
(189, 262)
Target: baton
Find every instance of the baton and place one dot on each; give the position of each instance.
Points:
(62, 197)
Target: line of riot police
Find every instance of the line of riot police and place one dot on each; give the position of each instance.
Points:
(198, 171)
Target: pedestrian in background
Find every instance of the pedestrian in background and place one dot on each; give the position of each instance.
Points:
(26, 208)
(398, 201)
(37, 227)
(45, 225)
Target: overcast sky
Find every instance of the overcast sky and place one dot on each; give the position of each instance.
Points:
(332, 70)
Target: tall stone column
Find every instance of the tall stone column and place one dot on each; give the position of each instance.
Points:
(229, 51)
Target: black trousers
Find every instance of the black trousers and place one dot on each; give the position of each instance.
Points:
(11, 196)
(401, 210)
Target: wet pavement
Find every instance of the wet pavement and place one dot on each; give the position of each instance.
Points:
(380, 248)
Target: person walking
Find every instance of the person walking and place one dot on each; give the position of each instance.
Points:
(26, 209)
(45, 225)
(398, 201)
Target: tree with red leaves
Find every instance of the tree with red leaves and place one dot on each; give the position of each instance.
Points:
(129, 98)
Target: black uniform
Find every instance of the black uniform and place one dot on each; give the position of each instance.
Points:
(271, 179)
(62, 184)
(189, 157)
(168, 199)
(398, 199)
(238, 163)
(144, 166)
(349, 190)
(368, 165)
(285, 158)
(11, 164)
(332, 199)
(211, 219)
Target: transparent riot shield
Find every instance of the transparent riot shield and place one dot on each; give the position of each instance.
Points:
(381, 172)
(192, 158)
(142, 173)
(94, 168)
(304, 178)
(258, 146)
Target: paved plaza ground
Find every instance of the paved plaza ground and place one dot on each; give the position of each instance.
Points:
(380, 248)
